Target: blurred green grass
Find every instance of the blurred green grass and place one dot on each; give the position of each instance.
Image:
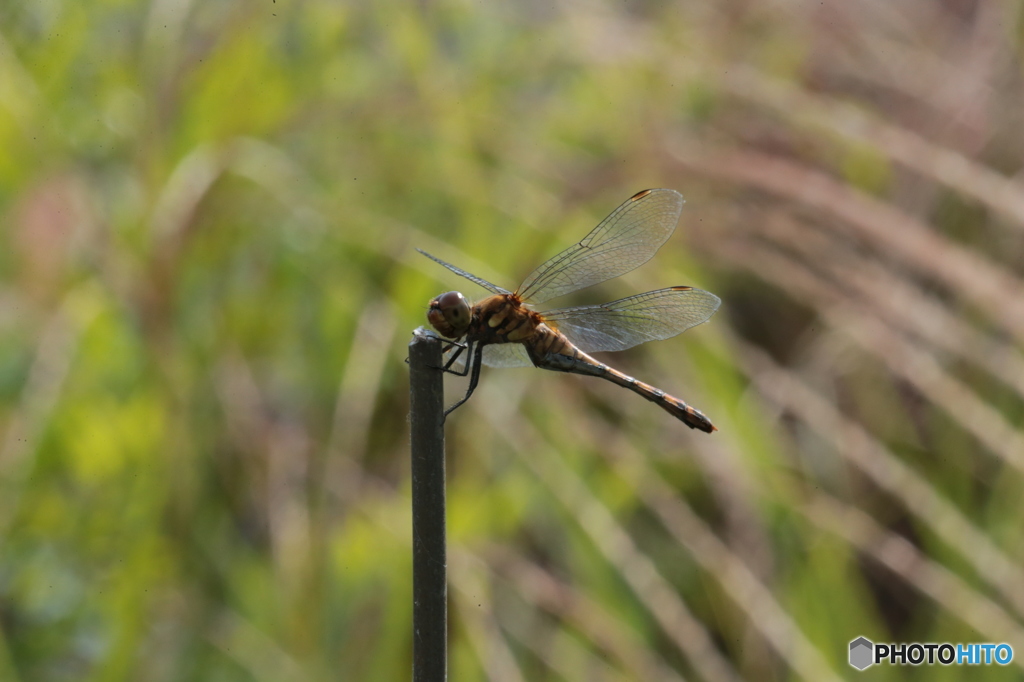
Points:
(208, 277)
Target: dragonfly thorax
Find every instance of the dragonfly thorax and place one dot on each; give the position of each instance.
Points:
(450, 314)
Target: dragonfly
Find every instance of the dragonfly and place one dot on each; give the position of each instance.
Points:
(504, 330)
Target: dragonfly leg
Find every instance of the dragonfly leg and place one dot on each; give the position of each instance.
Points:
(451, 361)
(455, 356)
(451, 344)
(474, 376)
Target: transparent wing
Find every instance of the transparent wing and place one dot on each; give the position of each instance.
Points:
(631, 321)
(506, 355)
(501, 355)
(625, 240)
(493, 288)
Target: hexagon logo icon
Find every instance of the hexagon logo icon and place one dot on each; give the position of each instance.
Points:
(861, 653)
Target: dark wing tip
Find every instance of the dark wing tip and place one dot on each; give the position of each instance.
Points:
(645, 192)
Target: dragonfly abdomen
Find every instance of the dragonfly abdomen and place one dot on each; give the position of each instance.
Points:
(569, 358)
(690, 416)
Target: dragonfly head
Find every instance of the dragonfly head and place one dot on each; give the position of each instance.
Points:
(450, 314)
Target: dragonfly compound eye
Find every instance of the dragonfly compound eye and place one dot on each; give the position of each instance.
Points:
(449, 314)
(455, 309)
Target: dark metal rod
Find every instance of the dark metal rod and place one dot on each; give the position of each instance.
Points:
(429, 555)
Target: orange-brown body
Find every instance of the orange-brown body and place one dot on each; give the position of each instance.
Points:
(502, 318)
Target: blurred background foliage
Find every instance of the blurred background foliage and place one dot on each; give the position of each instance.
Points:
(208, 280)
